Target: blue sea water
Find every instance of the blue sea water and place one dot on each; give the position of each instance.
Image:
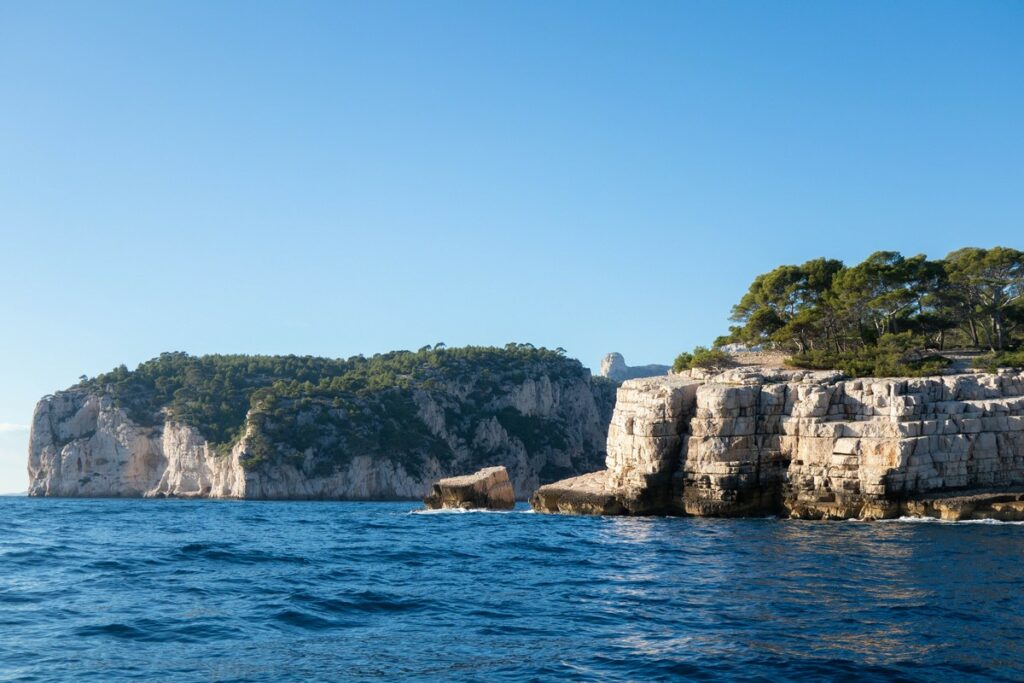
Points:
(118, 590)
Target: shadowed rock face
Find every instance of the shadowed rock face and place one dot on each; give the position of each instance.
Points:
(613, 366)
(809, 445)
(487, 489)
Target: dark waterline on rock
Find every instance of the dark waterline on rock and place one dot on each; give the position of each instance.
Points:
(113, 590)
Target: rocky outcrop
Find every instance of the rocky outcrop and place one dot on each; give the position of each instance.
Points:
(488, 489)
(810, 445)
(613, 366)
(85, 443)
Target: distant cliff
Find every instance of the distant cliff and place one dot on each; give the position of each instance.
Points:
(300, 427)
(613, 366)
(756, 441)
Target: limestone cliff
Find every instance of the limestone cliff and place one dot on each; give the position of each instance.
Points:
(349, 436)
(809, 445)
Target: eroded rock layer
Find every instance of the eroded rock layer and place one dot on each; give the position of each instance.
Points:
(810, 445)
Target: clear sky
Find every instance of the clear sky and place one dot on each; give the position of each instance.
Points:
(340, 178)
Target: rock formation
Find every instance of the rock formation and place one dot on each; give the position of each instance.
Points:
(540, 419)
(488, 489)
(809, 445)
(613, 366)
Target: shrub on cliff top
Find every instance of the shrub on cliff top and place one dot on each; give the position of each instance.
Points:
(1010, 359)
(703, 358)
(895, 355)
(682, 362)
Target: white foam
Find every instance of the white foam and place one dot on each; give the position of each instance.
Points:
(460, 511)
(933, 520)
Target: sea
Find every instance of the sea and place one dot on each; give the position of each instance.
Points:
(179, 590)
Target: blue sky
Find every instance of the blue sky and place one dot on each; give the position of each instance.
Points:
(340, 178)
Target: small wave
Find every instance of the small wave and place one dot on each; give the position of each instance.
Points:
(305, 620)
(229, 553)
(115, 630)
(158, 631)
(935, 520)
(461, 511)
(10, 598)
(359, 601)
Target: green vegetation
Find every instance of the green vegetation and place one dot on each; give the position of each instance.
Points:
(889, 315)
(317, 412)
(1011, 359)
(703, 358)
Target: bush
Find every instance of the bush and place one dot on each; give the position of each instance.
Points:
(682, 362)
(711, 359)
(894, 356)
(703, 358)
(1010, 359)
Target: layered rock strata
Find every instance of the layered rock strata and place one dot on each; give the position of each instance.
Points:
(809, 445)
(488, 489)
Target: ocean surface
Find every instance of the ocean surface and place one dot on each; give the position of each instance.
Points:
(172, 590)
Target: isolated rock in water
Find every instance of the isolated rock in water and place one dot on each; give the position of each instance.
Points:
(613, 366)
(489, 488)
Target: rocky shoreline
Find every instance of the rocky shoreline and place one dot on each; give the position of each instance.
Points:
(751, 441)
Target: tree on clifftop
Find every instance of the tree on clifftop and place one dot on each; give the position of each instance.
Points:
(989, 284)
(886, 309)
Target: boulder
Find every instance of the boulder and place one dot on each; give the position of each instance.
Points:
(488, 489)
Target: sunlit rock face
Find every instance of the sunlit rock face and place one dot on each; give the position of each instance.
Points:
(809, 445)
(488, 489)
(83, 445)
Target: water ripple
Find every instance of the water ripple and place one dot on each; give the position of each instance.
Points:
(205, 590)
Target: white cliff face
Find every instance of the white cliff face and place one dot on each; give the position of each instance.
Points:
(645, 437)
(810, 445)
(84, 445)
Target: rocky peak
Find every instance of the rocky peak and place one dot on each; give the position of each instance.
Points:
(613, 366)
